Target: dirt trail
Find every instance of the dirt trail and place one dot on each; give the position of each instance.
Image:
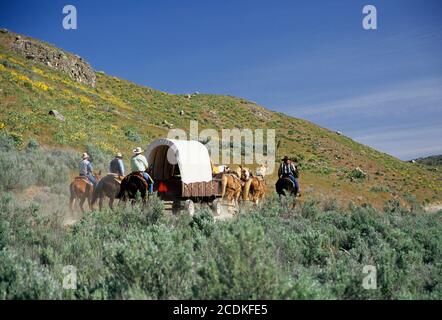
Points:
(433, 207)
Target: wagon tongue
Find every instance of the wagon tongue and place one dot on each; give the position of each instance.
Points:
(162, 187)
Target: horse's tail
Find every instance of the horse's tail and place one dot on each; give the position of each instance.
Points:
(132, 189)
(245, 194)
(96, 193)
(122, 192)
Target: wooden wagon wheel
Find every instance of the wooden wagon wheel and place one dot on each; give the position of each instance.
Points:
(217, 207)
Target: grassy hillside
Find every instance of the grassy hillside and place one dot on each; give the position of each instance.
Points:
(117, 115)
(431, 161)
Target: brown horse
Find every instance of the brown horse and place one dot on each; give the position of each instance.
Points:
(81, 189)
(231, 188)
(108, 186)
(255, 187)
(232, 183)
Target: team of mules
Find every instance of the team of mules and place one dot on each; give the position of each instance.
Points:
(242, 182)
(235, 183)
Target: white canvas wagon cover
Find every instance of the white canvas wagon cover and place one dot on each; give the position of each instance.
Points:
(192, 158)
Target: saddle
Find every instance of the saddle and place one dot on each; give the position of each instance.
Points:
(289, 180)
(85, 179)
(139, 175)
(117, 177)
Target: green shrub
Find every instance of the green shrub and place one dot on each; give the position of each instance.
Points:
(131, 134)
(268, 252)
(357, 174)
(32, 145)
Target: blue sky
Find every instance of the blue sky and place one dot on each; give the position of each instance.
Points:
(309, 59)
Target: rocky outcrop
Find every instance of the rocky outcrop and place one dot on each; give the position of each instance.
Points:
(73, 65)
(57, 115)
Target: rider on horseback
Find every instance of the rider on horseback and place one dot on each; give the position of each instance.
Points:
(289, 169)
(139, 164)
(116, 165)
(86, 169)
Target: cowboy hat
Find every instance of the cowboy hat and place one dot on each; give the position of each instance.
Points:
(137, 150)
(119, 155)
(85, 156)
(285, 158)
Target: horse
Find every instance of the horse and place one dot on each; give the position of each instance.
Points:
(255, 186)
(108, 186)
(284, 186)
(82, 189)
(132, 184)
(232, 183)
(231, 188)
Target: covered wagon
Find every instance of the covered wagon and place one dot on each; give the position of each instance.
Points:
(182, 172)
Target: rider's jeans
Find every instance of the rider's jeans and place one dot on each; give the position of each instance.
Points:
(295, 181)
(149, 181)
(91, 178)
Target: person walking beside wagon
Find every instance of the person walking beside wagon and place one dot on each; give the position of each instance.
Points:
(138, 163)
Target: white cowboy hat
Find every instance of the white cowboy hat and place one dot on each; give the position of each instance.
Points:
(85, 156)
(119, 155)
(137, 150)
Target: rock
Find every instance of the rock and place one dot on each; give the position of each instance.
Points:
(57, 115)
(188, 96)
(3, 30)
(181, 112)
(338, 133)
(73, 65)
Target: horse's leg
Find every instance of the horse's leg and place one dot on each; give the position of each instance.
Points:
(89, 202)
(236, 199)
(72, 203)
(100, 203)
(111, 203)
(82, 200)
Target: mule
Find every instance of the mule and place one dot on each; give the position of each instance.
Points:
(232, 183)
(255, 187)
(231, 188)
